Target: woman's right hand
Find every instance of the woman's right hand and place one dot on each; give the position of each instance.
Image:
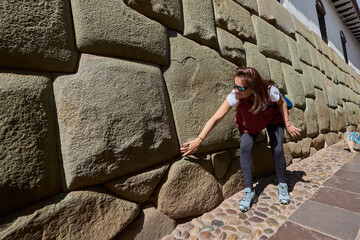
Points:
(190, 147)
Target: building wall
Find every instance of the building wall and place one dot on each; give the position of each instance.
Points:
(305, 11)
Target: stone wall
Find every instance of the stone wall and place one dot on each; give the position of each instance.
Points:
(96, 97)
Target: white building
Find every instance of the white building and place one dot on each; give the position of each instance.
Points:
(336, 21)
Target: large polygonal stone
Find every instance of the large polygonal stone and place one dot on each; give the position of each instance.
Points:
(138, 187)
(270, 41)
(114, 119)
(199, 23)
(28, 158)
(303, 49)
(322, 112)
(251, 6)
(319, 142)
(113, 28)
(271, 10)
(312, 128)
(232, 17)
(314, 56)
(198, 81)
(330, 93)
(151, 224)
(305, 147)
(233, 181)
(190, 189)
(334, 125)
(294, 86)
(307, 82)
(231, 47)
(303, 30)
(220, 162)
(318, 78)
(297, 118)
(294, 148)
(256, 60)
(295, 59)
(37, 35)
(168, 13)
(277, 74)
(76, 215)
(340, 118)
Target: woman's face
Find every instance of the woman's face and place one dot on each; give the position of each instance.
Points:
(241, 88)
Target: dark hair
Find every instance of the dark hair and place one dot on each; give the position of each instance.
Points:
(258, 85)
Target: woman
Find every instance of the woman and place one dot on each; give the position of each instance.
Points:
(258, 105)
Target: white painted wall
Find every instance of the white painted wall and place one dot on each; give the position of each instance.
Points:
(305, 11)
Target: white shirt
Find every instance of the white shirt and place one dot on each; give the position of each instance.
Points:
(274, 95)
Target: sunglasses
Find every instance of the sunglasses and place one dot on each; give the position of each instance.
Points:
(241, 89)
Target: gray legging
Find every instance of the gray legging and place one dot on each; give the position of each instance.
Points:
(276, 133)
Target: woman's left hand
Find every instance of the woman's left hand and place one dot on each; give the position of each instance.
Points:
(293, 131)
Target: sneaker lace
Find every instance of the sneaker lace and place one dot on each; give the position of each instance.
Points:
(247, 196)
(283, 190)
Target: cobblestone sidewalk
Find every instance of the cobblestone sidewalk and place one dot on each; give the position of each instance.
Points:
(227, 222)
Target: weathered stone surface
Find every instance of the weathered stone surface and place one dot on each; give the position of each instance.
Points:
(304, 31)
(330, 93)
(273, 11)
(195, 73)
(233, 181)
(220, 162)
(338, 94)
(322, 63)
(340, 118)
(305, 147)
(168, 13)
(152, 224)
(294, 148)
(341, 76)
(263, 163)
(96, 147)
(277, 74)
(190, 189)
(138, 187)
(303, 49)
(317, 41)
(297, 118)
(113, 28)
(270, 41)
(322, 112)
(334, 127)
(311, 119)
(256, 60)
(314, 56)
(287, 153)
(76, 215)
(294, 86)
(231, 47)
(312, 151)
(295, 59)
(37, 36)
(319, 142)
(234, 18)
(28, 157)
(251, 6)
(335, 138)
(318, 78)
(307, 82)
(199, 23)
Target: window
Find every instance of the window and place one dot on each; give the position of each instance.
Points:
(321, 17)
(343, 41)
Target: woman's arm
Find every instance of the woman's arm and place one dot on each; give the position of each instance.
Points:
(293, 131)
(192, 146)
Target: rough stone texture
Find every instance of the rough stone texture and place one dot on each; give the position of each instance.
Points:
(138, 187)
(319, 142)
(113, 28)
(314, 56)
(270, 41)
(318, 78)
(96, 147)
(277, 74)
(340, 119)
(294, 148)
(335, 137)
(297, 118)
(303, 49)
(334, 127)
(307, 82)
(251, 6)
(195, 73)
(263, 163)
(199, 23)
(28, 157)
(312, 151)
(231, 47)
(168, 13)
(330, 93)
(76, 215)
(256, 60)
(322, 112)
(312, 128)
(233, 181)
(190, 189)
(37, 36)
(304, 31)
(234, 18)
(295, 59)
(305, 147)
(338, 94)
(273, 11)
(287, 154)
(294, 86)
(151, 224)
(220, 162)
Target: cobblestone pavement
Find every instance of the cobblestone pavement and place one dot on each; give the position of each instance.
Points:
(227, 222)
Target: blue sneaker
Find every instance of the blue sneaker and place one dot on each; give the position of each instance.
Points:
(248, 199)
(284, 197)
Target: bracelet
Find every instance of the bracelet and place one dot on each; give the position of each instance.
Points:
(201, 138)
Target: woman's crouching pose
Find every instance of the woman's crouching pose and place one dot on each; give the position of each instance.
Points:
(258, 105)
